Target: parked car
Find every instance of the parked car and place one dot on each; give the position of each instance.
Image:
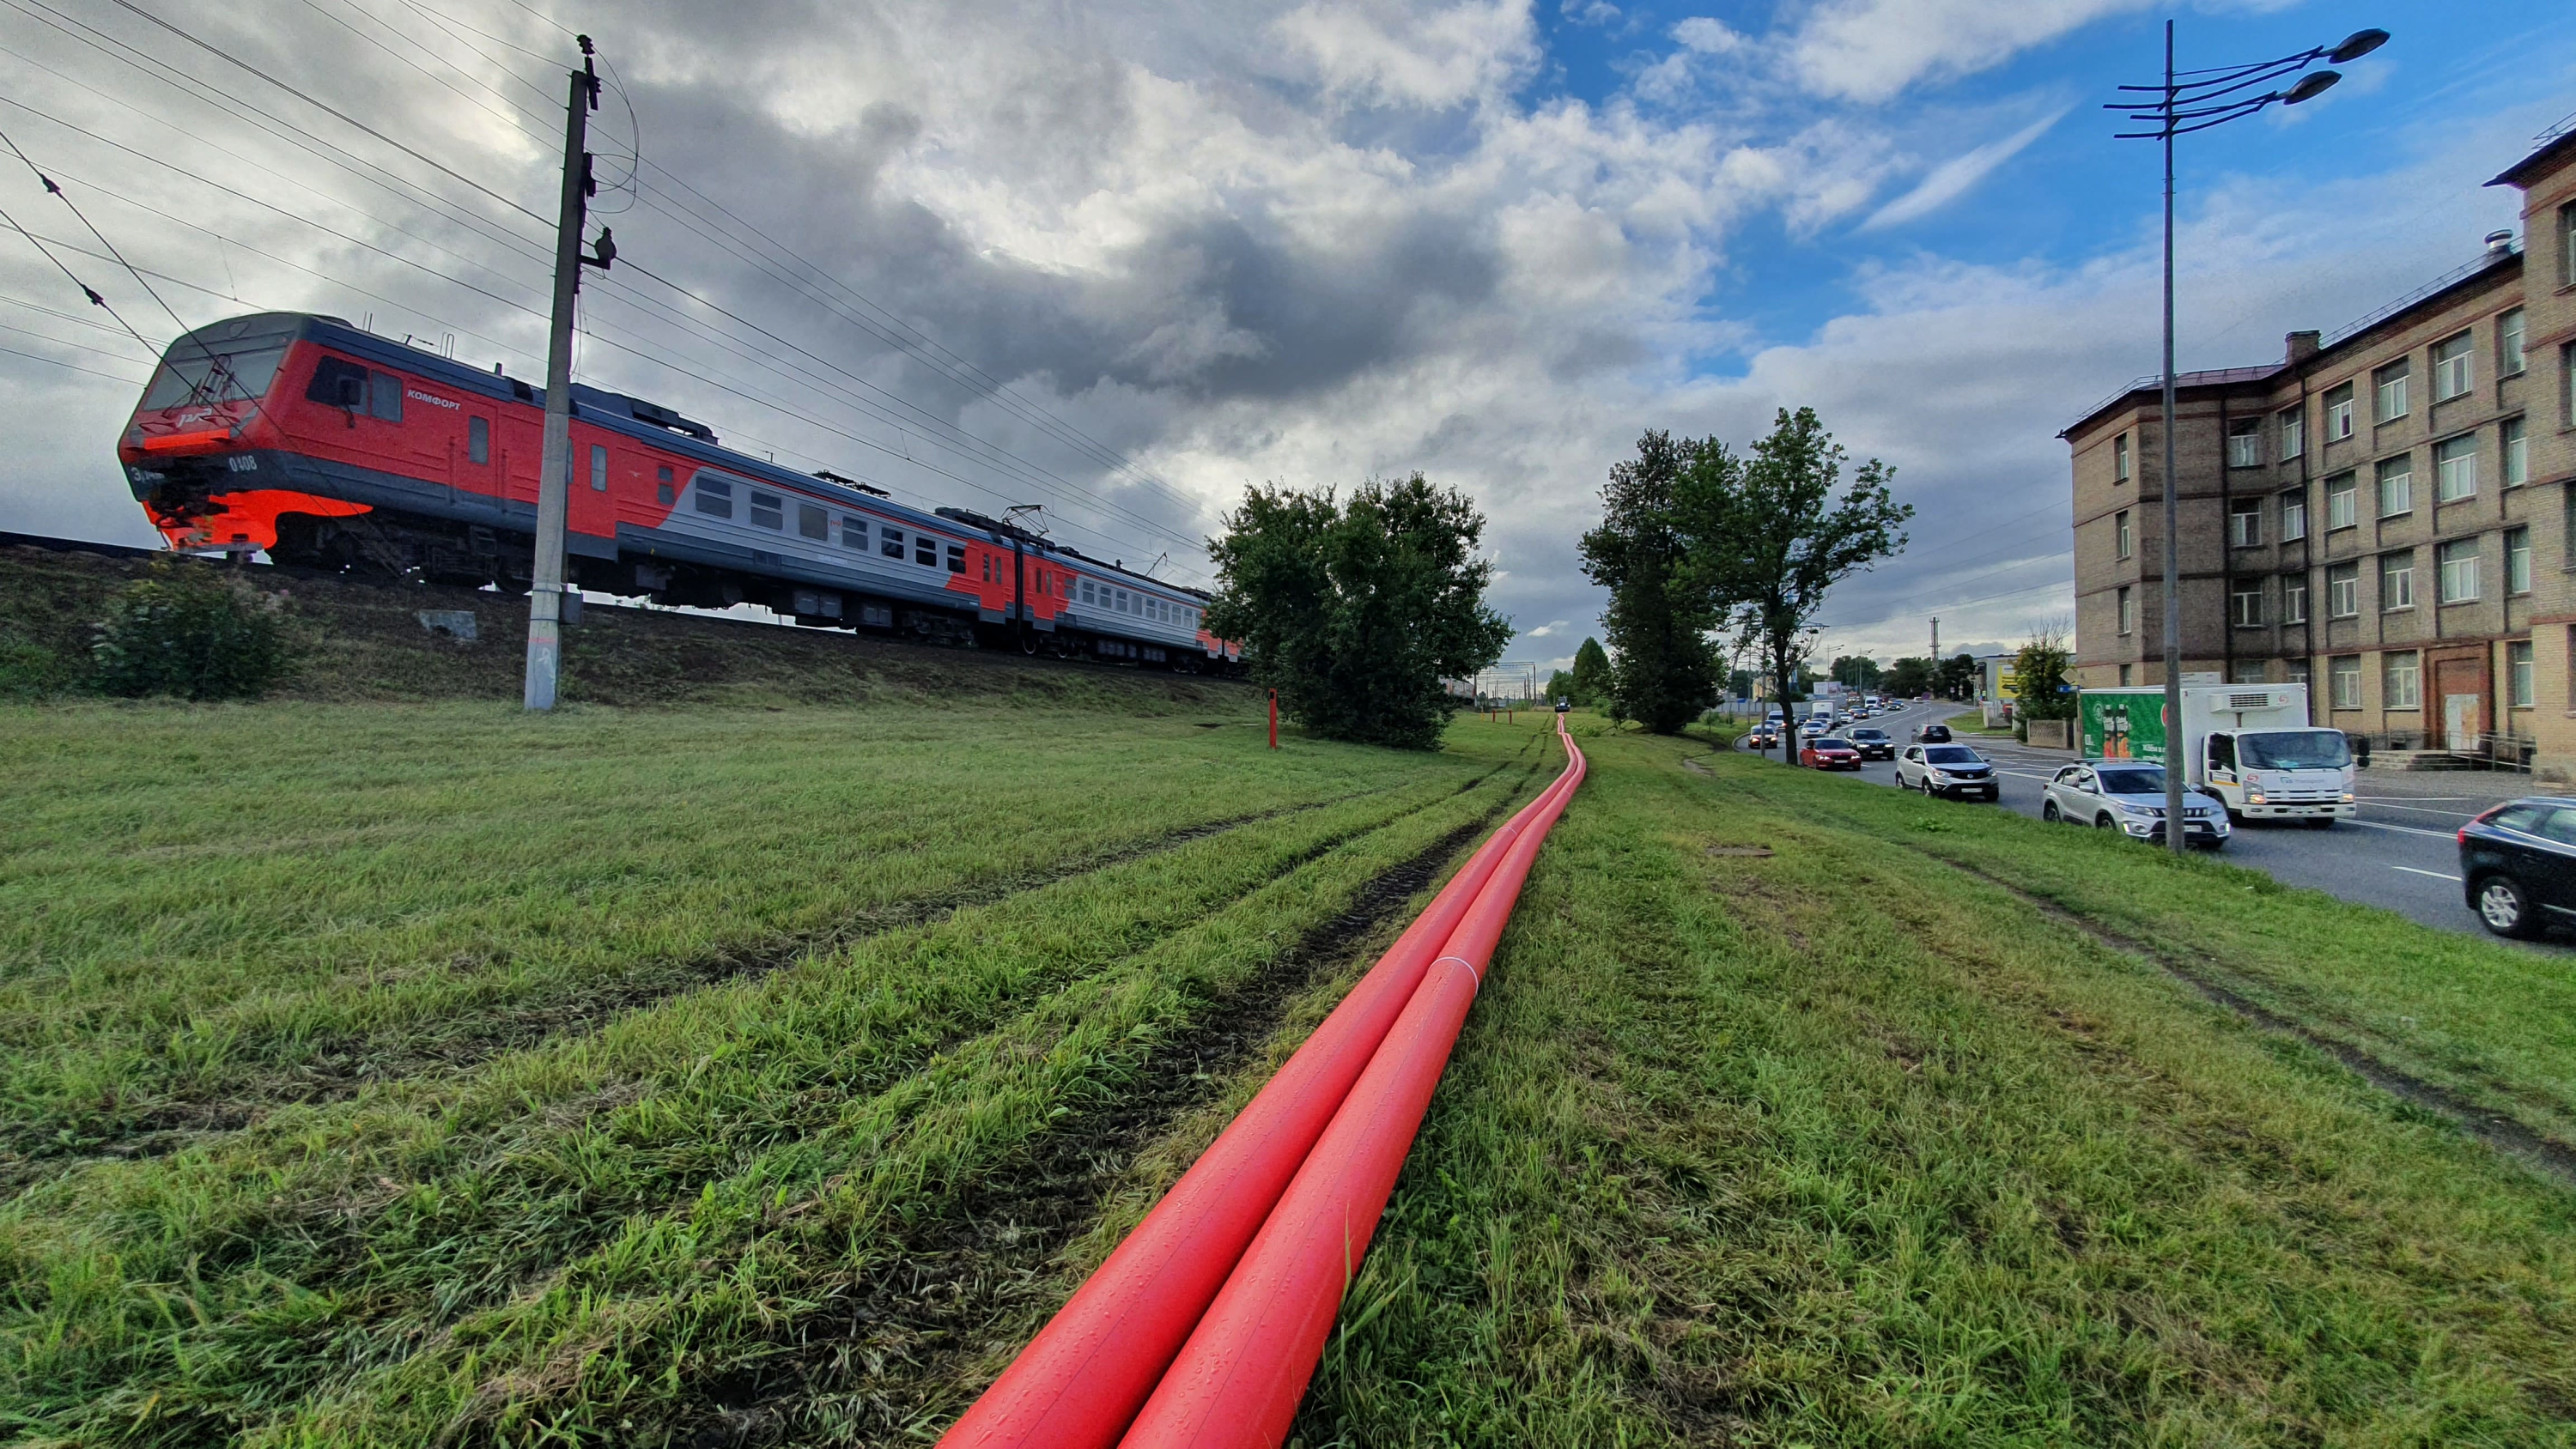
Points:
(1826, 752)
(2129, 796)
(2518, 865)
(1953, 770)
(1932, 734)
(1873, 743)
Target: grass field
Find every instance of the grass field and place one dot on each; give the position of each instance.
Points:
(431, 1075)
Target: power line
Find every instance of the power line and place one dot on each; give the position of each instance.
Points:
(70, 366)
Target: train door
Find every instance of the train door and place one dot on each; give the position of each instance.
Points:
(475, 471)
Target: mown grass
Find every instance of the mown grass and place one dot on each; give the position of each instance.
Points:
(1848, 1146)
(591, 1236)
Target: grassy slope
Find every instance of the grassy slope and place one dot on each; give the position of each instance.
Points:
(1848, 1146)
(600, 1230)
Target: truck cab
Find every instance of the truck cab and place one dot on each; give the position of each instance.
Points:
(2279, 774)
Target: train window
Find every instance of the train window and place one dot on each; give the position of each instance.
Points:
(813, 522)
(1126, 604)
(715, 497)
(335, 384)
(890, 542)
(988, 568)
(662, 484)
(925, 550)
(854, 533)
(478, 443)
(384, 396)
(598, 469)
(957, 558)
(766, 510)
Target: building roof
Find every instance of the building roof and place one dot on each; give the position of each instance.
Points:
(2154, 382)
(2557, 146)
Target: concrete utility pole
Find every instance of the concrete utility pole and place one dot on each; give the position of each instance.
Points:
(554, 467)
(1936, 639)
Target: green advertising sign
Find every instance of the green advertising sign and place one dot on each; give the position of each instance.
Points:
(2124, 724)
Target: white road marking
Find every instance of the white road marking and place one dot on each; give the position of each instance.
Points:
(2403, 829)
(2435, 874)
(2418, 809)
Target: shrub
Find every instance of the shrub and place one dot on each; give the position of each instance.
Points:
(191, 630)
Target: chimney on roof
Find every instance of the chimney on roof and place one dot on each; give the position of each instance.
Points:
(2300, 346)
(2498, 243)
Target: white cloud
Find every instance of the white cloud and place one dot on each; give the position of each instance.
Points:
(1869, 50)
(1953, 178)
(1708, 36)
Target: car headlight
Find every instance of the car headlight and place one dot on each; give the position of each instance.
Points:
(2150, 811)
(1936, 775)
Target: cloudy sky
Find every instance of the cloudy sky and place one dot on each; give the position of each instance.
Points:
(1123, 260)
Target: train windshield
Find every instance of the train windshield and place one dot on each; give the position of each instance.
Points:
(198, 373)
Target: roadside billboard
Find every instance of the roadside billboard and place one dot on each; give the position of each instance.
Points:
(2121, 724)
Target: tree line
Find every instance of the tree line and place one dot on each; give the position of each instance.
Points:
(1711, 553)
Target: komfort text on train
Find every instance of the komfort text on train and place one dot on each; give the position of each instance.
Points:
(330, 447)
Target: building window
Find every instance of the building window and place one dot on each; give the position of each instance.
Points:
(2124, 676)
(2120, 459)
(598, 469)
(767, 510)
(2294, 435)
(2517, 674)
(890, 543)
(2398, 681)
(2388, 391)
(2122, 541)
(854, 533)
(2453, 371)
(2455, 468)
(2342, 502)
(2343, 676)
(2396, 581)
(813, 522)
(2245, 443)
(715, 497)
(478, 442)
(2343, 591)
(2509, 356)
(2294, 671)
(2252, 671)
(2245, 523)
(2294, 598)
(2396, 485)
(2567, 388)
(2294, 517)
(2245, 604)
(2459, 566)
(2513, 454)
(2339, 414)
(2128, 612)
(2517, 560)
(2567, 245)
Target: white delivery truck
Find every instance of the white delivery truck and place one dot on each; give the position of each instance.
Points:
(2250, 744)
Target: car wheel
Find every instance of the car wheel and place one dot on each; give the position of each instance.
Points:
(2504, 907)
(2049, 813)
(2105, 822)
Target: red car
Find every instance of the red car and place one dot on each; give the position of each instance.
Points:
(1828, 753)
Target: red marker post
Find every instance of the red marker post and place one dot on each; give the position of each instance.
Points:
(1274, 719)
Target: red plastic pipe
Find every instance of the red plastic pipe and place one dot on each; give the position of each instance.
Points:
(1080, 1381)
(1237, 1381)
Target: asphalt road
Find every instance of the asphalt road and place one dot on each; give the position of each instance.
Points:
(2401, 853)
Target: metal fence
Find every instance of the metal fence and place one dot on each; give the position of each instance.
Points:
(2491, 750)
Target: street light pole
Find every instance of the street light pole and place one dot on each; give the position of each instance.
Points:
(2180, 108)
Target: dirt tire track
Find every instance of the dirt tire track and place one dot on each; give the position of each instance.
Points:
(931, 1316)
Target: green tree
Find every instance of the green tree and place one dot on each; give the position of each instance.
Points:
(1739, 684)
(1956, 677)
(1665, 670)
(1769, 538)
(1908, 677)
(1856, 671)
(1591, 673)
(2039, 671)
(1356, 612)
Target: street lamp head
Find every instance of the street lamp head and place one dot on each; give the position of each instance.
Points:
(2357, 45)
(2310, 86)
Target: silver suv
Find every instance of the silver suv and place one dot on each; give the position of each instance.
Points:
(2129, 796)
(1953, 770)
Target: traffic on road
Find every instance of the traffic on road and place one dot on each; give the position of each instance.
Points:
(2401, 847)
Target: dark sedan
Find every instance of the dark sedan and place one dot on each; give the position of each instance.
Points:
(1873, 743)
(1932, 734)
(2518, 865)
(1826, 752)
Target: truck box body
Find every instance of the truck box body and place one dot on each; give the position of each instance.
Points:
(2249, 744)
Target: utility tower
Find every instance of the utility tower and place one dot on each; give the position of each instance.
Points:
(554, 468)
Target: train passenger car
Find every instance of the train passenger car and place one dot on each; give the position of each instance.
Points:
(330, 447)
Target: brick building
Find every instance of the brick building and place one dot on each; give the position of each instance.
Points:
(2388, 515)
